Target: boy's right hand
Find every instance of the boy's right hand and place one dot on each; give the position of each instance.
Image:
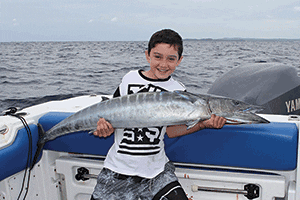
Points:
(104, 128)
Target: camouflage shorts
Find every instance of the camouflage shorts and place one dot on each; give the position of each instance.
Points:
(114, 186)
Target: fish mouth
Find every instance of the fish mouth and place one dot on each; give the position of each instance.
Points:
(233, 122)
(245, 118)
(253, 109)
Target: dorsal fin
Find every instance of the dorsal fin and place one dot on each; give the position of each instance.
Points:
(104, 98)
(186, 95)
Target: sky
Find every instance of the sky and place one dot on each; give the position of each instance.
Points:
(137, 20)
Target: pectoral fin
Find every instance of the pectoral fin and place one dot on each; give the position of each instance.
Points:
(191, 124)
(92, 131)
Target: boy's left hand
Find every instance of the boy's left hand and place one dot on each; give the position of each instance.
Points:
(215, 122)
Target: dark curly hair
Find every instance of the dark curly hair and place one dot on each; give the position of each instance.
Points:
(166, 36)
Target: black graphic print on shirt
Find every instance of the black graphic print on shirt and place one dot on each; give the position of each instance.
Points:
(137, 88)
(141, 141)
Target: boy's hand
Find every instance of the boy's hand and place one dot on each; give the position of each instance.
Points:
(104, 128)
(215, 122)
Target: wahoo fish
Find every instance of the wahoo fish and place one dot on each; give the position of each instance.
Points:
(153, 109)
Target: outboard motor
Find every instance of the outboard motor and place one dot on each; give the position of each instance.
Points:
(274, 86)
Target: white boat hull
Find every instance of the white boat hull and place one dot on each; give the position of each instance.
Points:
(53, 178)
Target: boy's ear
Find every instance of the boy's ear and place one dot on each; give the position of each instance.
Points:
(147, 56)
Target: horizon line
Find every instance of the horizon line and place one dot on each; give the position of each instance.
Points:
(185, 39)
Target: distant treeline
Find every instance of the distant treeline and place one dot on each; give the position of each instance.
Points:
(242, 39)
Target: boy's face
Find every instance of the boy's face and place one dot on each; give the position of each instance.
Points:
(163, 60)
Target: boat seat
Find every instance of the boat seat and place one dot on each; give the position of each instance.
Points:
(270, 146)
(13, 158)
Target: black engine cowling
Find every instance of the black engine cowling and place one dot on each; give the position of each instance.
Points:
(274, 86)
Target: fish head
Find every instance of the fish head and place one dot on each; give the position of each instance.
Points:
(236, 111)
(227, 105)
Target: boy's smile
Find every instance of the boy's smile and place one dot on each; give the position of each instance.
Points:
(163, 60)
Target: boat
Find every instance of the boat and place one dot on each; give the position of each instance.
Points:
(250, 161)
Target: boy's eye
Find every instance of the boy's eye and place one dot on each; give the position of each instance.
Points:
(172, 59)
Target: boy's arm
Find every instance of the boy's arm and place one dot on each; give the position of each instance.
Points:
(104, 128)
(179, 130)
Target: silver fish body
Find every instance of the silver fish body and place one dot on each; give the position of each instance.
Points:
(155, 109)
(136, 110)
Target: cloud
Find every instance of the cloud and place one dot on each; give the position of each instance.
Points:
(114, 19)
(15, 23)
(91, 21)
(297, 8)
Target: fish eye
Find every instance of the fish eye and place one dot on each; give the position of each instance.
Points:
(236, 103)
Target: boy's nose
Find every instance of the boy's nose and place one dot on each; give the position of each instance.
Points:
(164, 62)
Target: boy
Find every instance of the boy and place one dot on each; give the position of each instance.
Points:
(136, 165)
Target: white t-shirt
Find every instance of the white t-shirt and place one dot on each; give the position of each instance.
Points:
(140, 151)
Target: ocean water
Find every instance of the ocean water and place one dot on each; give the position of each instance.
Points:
(35, 72)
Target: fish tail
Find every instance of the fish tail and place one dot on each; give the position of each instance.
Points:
(40, 145)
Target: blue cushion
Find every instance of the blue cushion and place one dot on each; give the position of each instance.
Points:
(13, 158)
(263, 146)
